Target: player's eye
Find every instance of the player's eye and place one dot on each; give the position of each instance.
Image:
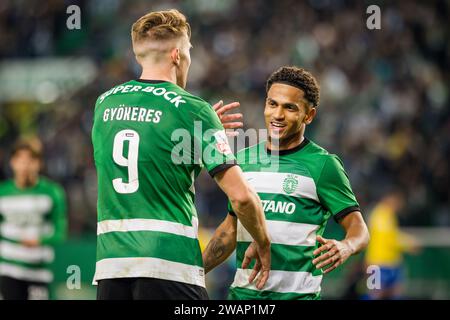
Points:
(291, 107)
(271, 103)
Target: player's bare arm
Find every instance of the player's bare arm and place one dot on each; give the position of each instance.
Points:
(334, 253)
(221, 245)
(247, 206)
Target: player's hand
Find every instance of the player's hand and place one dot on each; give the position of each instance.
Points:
(30, 243)
(332, 253)
(262, 264)
(229, 121)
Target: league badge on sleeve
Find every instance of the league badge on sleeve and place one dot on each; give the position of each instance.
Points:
(222, 144)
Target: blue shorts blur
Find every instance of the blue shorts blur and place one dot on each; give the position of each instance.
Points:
(390, 276)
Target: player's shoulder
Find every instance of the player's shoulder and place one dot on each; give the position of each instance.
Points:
(192, 99)
(319, 161)
(106, 93)
(248, 152)
(6, 184)
(319, 154)
(251, 149)
(381, 216)
(50, 184)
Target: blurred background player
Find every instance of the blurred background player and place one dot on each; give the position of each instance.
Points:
(306, 188)
(147, 246)
(32, 221)
(388, 245)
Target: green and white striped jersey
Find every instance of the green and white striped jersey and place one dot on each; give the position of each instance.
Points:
(300, 189)
(35, 213)
(151, 139)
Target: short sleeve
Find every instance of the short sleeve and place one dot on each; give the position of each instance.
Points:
(334, 190)
(216, 153)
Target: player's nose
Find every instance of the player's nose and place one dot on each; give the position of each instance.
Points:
(278, 113)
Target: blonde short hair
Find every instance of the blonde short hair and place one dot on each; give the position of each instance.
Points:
(160, 25)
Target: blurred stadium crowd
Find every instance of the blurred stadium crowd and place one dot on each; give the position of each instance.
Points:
(384, 93)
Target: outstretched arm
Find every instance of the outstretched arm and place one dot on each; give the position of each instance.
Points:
(333, 253)
(221, 245)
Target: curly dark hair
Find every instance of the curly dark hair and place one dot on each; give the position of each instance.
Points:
(299, 78)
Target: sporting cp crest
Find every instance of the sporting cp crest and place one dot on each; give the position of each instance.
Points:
(290, 183)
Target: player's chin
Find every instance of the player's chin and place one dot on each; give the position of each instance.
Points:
(276, 137)
(279, 133)
(273, 135)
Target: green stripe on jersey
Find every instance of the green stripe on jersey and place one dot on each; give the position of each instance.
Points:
(248, 294)
(279, 207)
(149, 244)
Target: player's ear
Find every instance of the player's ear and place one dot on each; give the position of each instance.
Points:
(138, 60)
(310, 114)
(175, 55)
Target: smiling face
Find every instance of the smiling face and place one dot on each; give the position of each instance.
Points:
(286, 114)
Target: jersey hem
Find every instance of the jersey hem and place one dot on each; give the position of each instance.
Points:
(239, 293)
(149, 274)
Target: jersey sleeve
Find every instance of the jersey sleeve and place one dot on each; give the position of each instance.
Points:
(334, 190)
(216, 154)
(58, 218)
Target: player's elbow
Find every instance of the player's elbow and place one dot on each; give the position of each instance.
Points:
(366, 238)
(243, 201)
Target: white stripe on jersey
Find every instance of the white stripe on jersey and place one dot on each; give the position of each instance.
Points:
(24, 273)
(13, 205)
(112, 268)
(18, 252)
(13, 231)
(283, 232)
(272, 182)
(127, 225)
(281, 281)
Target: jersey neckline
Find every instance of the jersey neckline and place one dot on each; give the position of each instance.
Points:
(288, 151)
(154, 81)
(28, 188)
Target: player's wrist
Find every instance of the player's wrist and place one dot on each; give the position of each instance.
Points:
(349, 245)
(263, 243)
